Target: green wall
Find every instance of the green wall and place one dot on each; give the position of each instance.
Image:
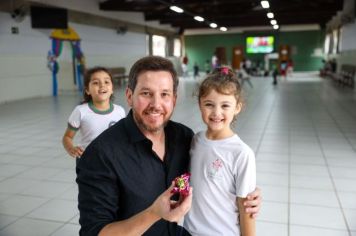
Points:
(199, 48)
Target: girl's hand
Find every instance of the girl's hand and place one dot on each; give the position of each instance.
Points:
(253, 202)
(76, 151)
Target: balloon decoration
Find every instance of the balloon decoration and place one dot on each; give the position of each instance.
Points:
(58, 37)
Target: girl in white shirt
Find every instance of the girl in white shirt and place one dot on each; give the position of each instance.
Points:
(223, 169)
(95, 114)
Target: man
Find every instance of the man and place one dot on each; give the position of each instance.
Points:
(124, 174)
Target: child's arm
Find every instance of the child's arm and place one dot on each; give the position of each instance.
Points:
(67, 142)
(247, 223)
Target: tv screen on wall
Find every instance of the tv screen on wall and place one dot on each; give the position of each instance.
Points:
(262, 44)
(49, 17)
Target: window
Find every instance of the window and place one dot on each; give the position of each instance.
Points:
(177, 48)
(159, 45)
(335, 41)
(327, 44)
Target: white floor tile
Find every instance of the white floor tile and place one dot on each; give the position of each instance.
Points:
(321, 183)
(347, 185)
(347, 200)
(272, 167)
(307, 159)
(20, 205)
(70, 194)
(274, 193)
(67, 230)
(10, 170)
(272, 157)
(47, 189)
(16, 185)
(6, 220)
(330, 218)
(75, 220)
(56, 210)
(268, 228)
(272, 179)
(309, 170)
(343, 172)
(314, 197)
(64, 175)
(30, 227)
(351, 218)
(296, 230)
(39, 173)
(274, 212)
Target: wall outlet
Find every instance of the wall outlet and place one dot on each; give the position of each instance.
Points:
(15, 30)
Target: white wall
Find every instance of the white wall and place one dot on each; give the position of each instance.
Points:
(348, 36)
(23, 56)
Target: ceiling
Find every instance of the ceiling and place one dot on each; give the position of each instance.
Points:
(229, 13)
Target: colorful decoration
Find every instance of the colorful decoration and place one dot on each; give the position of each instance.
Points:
(181, 184)
(58, 36)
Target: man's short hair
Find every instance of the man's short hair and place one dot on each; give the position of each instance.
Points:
(152, 63)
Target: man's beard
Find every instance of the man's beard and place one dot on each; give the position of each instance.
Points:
(140, 123)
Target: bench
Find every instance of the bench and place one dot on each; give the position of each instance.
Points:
(118, 74)
(346, 76)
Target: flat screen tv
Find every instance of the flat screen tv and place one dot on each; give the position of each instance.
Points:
(49, 17)
(261, 44)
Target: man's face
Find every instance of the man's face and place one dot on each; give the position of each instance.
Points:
(153, 100)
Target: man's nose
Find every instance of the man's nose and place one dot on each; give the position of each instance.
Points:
(155, 100)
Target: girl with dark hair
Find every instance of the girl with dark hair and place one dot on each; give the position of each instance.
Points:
(95, 114)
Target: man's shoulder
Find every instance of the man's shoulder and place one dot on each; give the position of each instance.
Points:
(172, 125)
(112, 134)
(179, 131)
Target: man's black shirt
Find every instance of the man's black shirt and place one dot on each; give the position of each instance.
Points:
(119, 175)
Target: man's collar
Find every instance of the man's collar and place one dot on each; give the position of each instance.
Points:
(133, 131)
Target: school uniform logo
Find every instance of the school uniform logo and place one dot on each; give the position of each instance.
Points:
(214, 171)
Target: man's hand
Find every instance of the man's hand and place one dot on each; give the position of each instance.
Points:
(253, 202)
(170, 210)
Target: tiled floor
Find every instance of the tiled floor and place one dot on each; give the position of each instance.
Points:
(303, 131)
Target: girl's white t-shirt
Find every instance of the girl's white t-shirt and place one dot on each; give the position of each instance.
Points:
(221, 170)
(91, 122)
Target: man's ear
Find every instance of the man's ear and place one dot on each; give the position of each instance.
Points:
(129, 94)
(175, 100)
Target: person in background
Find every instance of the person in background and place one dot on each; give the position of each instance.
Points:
(222, 166)
(95, 114)
(214, 61)
(185, 66)
(196, 70)
(283, 68)
(275, 75)
(207, 67)
(125, 175)
(290, 68)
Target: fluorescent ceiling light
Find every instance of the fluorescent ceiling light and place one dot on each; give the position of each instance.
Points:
(176, 9)
(273, 22)
(199, 18)
(223, 28)
(270, 15)
(213, 25)
(275, 26)
(265, 4)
